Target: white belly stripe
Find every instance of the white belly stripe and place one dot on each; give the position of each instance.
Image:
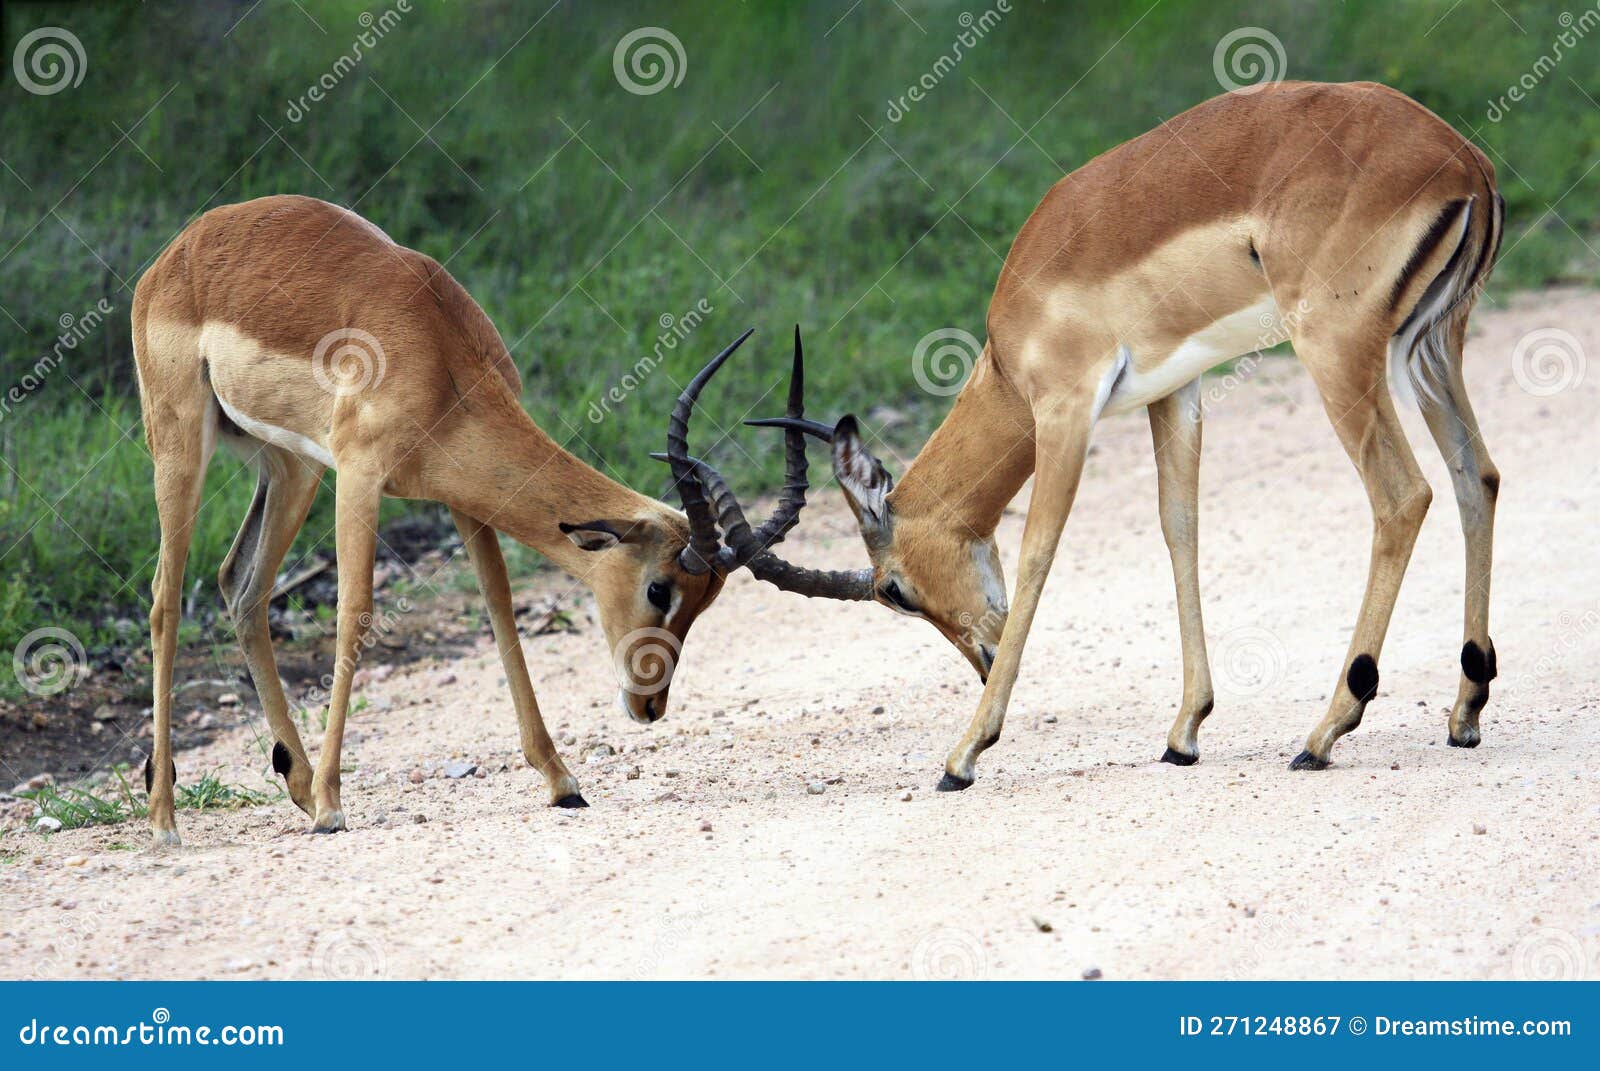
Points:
(1259, 326)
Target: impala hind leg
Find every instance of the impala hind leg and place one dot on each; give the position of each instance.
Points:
(1175, 427)
(1476, 482)
(1357, 400)
(357, 495)
(286, 486)
(483, 547)
(1062, 443)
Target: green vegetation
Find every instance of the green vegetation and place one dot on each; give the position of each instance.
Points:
(116, 802)
(770, 184)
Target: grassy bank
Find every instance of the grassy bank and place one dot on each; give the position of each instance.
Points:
(787, 176)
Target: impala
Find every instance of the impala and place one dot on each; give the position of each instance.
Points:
(300, 335)
(1352, 205)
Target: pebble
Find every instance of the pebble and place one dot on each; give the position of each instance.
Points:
(705, 825)
(1042, 925)
(1049, 719)
(877, 709)
(419, 819)
(418, 776)
(1092, 974)
(34, 784)
(444, 679)
(456, 769)
(481, 772)
(633, 773)
(905, 797)
(227, 699)
(1479, 830)
(816, 788)
(48, 825)
(75, 860)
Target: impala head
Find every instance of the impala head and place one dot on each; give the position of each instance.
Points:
(921, 566)
(646, 599)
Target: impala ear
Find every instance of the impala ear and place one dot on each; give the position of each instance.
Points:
(865, 481)
(600, 535)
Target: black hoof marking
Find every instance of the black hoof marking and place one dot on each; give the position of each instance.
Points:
(1362, 679)
(1205, 712)
(150, 774)
(951, 783)
(1478, 665)
(572, 801)
(1178, 758)
(282, 761)
(1307, 761)
(1464, 743)
(315, 832)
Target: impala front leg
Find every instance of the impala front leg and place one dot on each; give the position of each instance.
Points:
(483, 547)
(1062, 444)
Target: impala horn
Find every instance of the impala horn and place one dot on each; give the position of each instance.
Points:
(739, 544)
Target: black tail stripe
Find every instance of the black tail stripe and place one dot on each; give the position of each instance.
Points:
(1431, 240)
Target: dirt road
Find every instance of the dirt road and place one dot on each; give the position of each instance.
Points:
(1074, 852)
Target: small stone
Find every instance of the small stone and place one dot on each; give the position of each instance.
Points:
(75, 860)
(878, 709)
(670, 773)
(1042, 925)
(48, 825)
(1249, 912)
(456, 769)
(1479, 830)
(567, 739)
(444, 679)
(419, 819)
(705, 825)
(207, 721)
(599, 753)
(1050, 719)
(633, 773)
(816, 788)
(481, 772)
(905, 797)
(227, 699)
(418, 775)
(1092, 974)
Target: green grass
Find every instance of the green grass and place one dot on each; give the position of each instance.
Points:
(579, 214)
(117, 802)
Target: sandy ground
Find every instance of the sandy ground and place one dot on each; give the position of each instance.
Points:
(1073, 852)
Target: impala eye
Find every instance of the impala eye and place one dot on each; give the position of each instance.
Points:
(892, 594)
(660, 595)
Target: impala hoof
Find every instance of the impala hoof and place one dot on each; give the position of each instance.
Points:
(331, 822)
(1178, 758)
(165, 839)
(571, 801)
(951, 783)
(1469, 738)
(1307, 761)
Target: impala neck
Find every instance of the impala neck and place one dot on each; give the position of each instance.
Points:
(977, 460)
(515, 478)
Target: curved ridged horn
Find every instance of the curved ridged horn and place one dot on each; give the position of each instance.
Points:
(701, 554)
